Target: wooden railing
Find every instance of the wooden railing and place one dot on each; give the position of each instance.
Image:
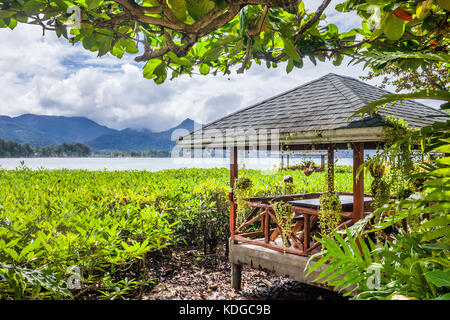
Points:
(269, 229)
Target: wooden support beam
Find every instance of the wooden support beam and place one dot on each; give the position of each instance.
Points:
(256, 233)
(272, 246)
(266, 227)
(358, 181)
(249, 222)
(306, 226)
(330, 168)
(236, 275)
(233, 165)
(233, 177)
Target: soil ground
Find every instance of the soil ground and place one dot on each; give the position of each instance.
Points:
(187, 275)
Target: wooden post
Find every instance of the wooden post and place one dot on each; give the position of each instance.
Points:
(306, 231)
(236, 272)
(233, 177)
(233, 165)
(287, 162)
(358, 181)
(266, 227)
(330, 169)
(282, 162)
(236, 269)
(322, 162)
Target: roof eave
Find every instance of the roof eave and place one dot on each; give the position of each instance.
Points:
(332, 136)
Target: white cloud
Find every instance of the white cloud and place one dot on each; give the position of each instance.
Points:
(46, 75)
(52, 77)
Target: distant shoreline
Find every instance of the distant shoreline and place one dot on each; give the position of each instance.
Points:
(149, 164)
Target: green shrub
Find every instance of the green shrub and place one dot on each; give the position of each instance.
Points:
(105, 223)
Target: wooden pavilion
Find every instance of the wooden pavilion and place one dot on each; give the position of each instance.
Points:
(313, 116)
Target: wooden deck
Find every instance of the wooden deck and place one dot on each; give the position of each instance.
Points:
(282, 264)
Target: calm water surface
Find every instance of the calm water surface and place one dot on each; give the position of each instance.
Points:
(149, 164)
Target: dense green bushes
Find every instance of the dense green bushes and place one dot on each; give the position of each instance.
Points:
(411, 261)
(102, 224)
(15, 149)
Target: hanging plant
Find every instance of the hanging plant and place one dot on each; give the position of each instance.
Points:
(397, 179)
(392, 168)
(283, 213)
(243, 189)
(308, 170)
(330, 205)
(380, 188)
(330, 210)
(289, 188)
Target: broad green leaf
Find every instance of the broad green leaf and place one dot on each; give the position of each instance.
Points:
(301, 8)
(394, 27)
(439, 278)
(436, 222)
(243, 21)
(444, 149)
(445, 160)
(316, 264)
(329, 270)
(12, 253)
(12, 24)
(150, 67)
(423, 8)
(221, 4)
(179, 9)
(443, 172)
(435, 234)
(444, 4)
(338, 58)
(181, 61)
(447, 295)
(204, 69)
(290, 50)
(197, 9)
(89, 42)
(128, 45)
(289, 66)
(161, 73)
(31, 7)
(93, 4)
(6, 14)
(353, 245)
(333, 30)
(213, 53)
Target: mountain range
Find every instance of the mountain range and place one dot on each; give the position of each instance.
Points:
(40, 130)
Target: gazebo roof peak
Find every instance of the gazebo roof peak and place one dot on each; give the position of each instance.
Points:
(322, 105)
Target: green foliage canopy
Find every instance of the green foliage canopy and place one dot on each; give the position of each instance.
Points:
(189, 36)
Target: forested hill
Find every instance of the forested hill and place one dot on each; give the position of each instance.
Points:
(12, 149)
(39, 130)
(129, 139)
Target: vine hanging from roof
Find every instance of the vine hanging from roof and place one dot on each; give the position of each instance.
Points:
(283, 213)
(330, 205)
(243, 189)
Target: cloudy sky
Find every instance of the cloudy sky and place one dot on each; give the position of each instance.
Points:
(45, 75)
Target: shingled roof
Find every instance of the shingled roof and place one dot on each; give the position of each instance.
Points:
(322, 105)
